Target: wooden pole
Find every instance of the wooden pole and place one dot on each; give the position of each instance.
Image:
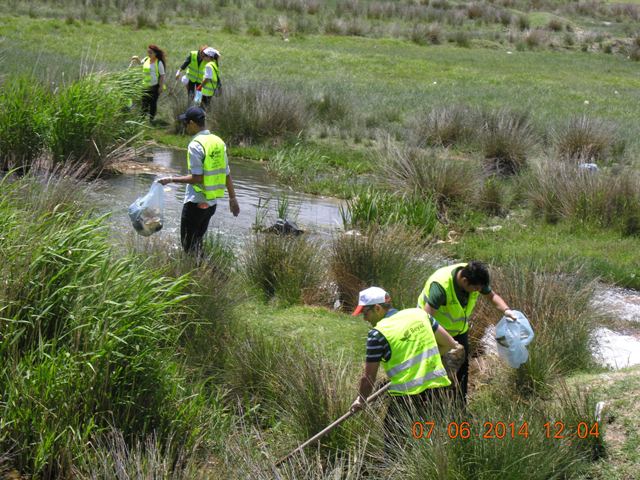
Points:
(322, 433)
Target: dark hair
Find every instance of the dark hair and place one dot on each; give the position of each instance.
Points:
(199, 121)
(160, 54)
(476, 273)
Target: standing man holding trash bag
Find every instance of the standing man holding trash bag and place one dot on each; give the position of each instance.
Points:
(209, 175)
(450, 295)
(409, 344)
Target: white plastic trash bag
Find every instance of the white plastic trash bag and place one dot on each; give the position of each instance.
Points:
(146, 212)
(512, 338)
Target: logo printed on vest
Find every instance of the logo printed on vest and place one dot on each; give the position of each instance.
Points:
(408, 332)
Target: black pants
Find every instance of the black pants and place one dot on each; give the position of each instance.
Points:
(463, 373)
(150, 101)
(191, 89)
(193, 226)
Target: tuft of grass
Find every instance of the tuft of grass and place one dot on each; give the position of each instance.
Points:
(442, 126)
(282, 267)
(587, 139)
(507, 138)
(373, 207)
(428, 174)
(391, 258)
(255, 112)
(603, 199)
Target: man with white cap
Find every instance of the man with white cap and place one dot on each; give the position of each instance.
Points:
(409, 344)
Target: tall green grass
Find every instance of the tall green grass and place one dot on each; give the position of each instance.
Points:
(84, 122)
(88, 340)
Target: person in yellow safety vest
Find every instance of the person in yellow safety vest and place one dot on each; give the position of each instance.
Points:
(153, 71)
(211, 81)
(209, 175)
(450, 295)
(409, 344)
(194, 65)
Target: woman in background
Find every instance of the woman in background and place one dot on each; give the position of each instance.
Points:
(153, 71)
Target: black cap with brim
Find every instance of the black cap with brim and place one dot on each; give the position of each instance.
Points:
(193, 113)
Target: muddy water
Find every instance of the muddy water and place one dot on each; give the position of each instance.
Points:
(318, 216)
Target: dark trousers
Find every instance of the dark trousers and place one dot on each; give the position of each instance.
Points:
(193, 226)
(150, 101)
(191, 89)
(463, 373)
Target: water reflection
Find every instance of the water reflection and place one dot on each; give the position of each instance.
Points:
(316, 215)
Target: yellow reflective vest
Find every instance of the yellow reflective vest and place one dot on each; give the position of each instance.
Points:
(195, 72)
(214, 166)
(146, 71)
(453, 318)
(209, 88)
(415, 362)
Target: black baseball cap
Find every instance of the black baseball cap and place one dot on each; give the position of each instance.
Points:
(193, 113)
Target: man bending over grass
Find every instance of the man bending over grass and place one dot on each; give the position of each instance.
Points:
(450, 295)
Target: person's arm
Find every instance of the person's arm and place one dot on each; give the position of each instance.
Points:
(183, 67)
(233, 201)
(365, 386)
(444, 340)
(190, 179)
(160, 76)
(501, 305)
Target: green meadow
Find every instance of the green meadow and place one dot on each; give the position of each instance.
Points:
(452, 130)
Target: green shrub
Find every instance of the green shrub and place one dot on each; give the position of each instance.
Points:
(255, 112)
(283, 267)
(91, 118)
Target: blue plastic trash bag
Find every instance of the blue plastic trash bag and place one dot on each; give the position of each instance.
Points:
(512, 338)
(146, 212)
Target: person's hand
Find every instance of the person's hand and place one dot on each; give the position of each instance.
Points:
(454, 359)
(358, 404)
(510, 314)
(177, 74)
(234, 207)
(165, 180)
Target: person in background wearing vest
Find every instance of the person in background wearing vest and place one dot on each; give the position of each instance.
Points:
(211, 80)
(194, 65)
(409, 344)
(209, 175)
(450, 295)
(153, 69)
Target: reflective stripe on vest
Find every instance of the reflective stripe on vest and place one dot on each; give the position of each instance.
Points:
(209, 88)
(453, 318)
(415, 362)
(214, 169)
(146, 71)
(195, 73)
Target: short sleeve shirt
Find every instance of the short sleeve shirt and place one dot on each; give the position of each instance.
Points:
(154, 78)
(437, 297)
(378, 347)
(196, 157)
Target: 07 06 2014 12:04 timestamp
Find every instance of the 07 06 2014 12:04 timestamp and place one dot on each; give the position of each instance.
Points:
(557, 430)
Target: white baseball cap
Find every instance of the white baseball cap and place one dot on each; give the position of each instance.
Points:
(371, 296)
(211, 52)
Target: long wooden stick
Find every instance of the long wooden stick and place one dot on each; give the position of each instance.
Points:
(322, 433)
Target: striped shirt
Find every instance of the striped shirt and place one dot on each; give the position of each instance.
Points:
(377, 346)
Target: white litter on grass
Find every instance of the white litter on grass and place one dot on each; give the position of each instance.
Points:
(616, 350)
